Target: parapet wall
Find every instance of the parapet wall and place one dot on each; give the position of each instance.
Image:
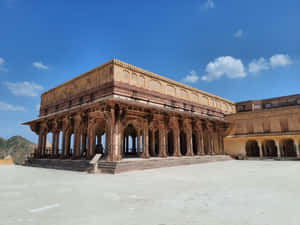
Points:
(102, 80)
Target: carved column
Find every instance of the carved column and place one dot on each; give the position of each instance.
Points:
(173, 124)
(199, 132)
(221, 134)
(210, 138)
(55, 139)
(40, 144)
(297, 148)
(84, 141)
(91, 136)
(153, 153)
(77, 135)
(277, 143)
(260, 149)
(66, 129)
(42, 139)
(162, 139)
(189, 139)
(113, 135)
(44, 144)
(99, 140)
(145, 153)
(134, 140)
(138, 150)
(127, 144)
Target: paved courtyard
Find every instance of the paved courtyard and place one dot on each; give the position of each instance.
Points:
(229, 193)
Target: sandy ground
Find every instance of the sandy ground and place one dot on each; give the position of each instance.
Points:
(229, 193)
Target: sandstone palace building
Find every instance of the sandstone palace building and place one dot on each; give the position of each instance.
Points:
(122, 111)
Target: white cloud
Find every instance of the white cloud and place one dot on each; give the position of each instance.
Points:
(280, 60)
(224, 66)
(238, 34)
(191, 78)
(24, 88)
(208, 4)
(258, 65)
(2, 67)
(8, 107)
(40, 65)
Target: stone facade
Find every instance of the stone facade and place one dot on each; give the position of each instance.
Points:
(123, 111)
(265, 128)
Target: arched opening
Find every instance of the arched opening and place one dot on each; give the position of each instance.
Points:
(252, 148)
(170, 150)
(49, 143)
(60, 148)
(195, 143)
(130, 142)
(71, 149)
(269, 149)
(288, 148)
(183, 144)
(100, 142)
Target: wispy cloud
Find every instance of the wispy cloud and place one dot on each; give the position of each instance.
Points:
(191, 78)
(238, 34)
(257, 65)
(224, 66)
(278, 60)
(208, 4)
(2, 65)
(8, 107)
(24, 88)
(40, 65)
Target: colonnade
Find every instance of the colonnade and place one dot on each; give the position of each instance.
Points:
(129, 136)
(273, 148)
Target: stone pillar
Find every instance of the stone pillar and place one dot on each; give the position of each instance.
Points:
(153, 143)
(138, 150)
(176, 134)
(189, 137)
(67, 144)
(113, 136)
(76, 145)
(64, 151)
(173, 124)
(221, 134)
(40, 144)
(260, 149)
(162, 140)
(66, 130)
(134, 140)
(145, 143)
(54, 140)
(297, 148)
(91, 138)
(277, 143)
(77, 136)
(127, 144)
(200, 144)
(210, 135)
(44, 144)
(83, 144)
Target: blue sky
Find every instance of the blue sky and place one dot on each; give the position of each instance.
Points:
(239, 50)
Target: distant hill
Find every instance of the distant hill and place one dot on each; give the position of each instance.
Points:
(17, 147)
